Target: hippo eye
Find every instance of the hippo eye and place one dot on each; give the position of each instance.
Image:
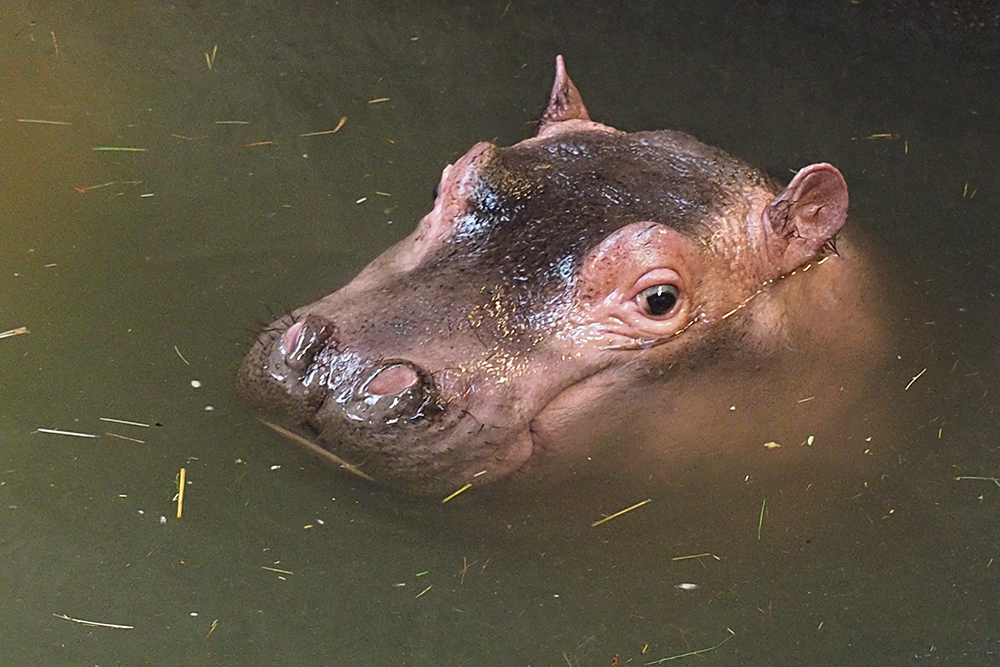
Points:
(437, 190)
(659, 300)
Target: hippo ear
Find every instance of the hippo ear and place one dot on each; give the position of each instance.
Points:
(807, 214)
(565, 102)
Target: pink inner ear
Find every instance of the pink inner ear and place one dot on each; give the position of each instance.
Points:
(807, 214)
(565, 102)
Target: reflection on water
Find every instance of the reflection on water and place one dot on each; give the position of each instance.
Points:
(137, 272)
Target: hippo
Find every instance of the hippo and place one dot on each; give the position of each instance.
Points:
(546, 272)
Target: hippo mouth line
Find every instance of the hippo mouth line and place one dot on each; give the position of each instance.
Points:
(439, 456)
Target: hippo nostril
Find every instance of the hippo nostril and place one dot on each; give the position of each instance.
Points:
(290, 341)
(395, 392)
(304, 339)
(392, 380)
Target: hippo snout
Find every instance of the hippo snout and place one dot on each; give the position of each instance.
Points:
(335, 386)
(314, 373)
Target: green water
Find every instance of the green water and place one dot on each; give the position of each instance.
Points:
(139, 272)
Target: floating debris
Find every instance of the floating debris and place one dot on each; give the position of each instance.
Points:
(125, 437)
(180, 492)
(123, 421)
(54, 431)
(620, 512)
(914, 379)
(760, 524)
(981, 479)
(10, 333)
(463, 489)
(465, 569)
(119, 149)
(39, 121)
(343, 119)
(316, 449)
(688, 654)
(87, 188)
(695, 556)
(94, 624)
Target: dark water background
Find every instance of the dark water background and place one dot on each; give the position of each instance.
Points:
(201, 238)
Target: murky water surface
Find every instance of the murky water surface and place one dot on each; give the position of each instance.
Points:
(140, 272)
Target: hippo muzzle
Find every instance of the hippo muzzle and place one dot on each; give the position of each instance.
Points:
(391, 417)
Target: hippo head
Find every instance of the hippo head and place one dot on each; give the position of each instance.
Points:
(569, 260)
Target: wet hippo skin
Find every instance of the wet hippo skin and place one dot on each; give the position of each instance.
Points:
(580, 258)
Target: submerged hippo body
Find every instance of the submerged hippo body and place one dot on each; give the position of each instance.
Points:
(569, 262)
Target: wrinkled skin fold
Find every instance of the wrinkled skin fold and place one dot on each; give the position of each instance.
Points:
(573, 259)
